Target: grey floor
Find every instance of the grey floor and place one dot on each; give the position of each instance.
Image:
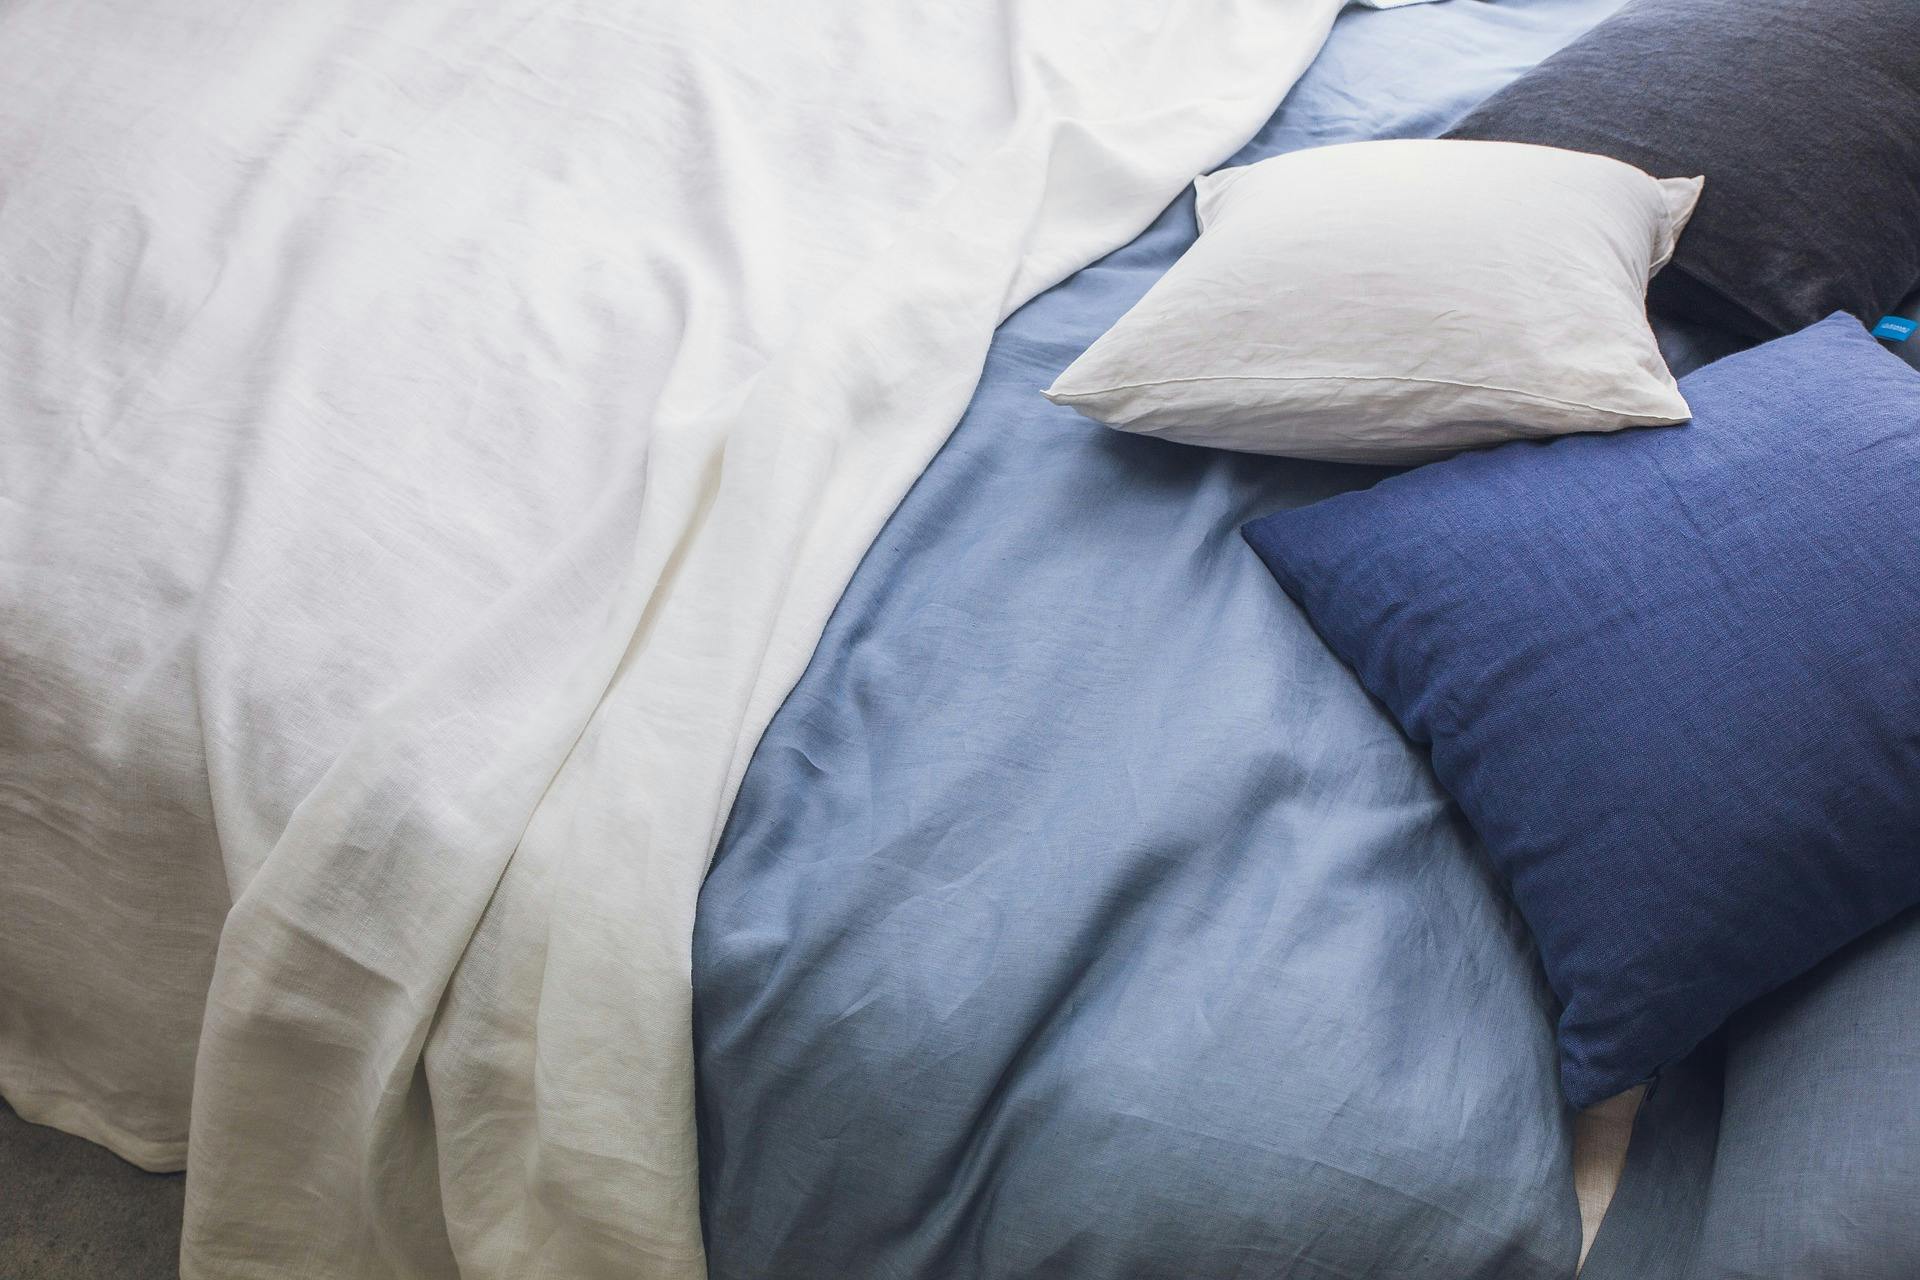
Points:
(72, 1211)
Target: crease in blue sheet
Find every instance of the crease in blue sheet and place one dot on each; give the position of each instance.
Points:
(1080, 915)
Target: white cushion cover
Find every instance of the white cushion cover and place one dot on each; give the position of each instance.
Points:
(1393, 302)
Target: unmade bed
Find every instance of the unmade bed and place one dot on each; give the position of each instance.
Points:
(568, 707)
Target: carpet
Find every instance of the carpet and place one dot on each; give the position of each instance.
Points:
(72, 1211)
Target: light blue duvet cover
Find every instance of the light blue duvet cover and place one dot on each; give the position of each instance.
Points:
(1081, 916)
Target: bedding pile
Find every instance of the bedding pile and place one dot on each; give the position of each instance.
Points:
(1076, 918)
(435, 439)
(432, 436)
(1080, 916)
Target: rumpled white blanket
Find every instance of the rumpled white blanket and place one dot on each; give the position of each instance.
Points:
(432, 436)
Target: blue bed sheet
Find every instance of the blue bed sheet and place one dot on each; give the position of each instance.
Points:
(1080, 915)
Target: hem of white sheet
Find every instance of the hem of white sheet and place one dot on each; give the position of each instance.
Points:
(70, 1115)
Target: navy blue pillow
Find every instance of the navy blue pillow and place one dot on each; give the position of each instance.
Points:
(1671, 675)
(1803, 116)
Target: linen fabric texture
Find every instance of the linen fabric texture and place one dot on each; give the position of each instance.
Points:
(1395, 301)
(432, 436)
(1080, 916)
(1805, 120)
(1668, 677)
(1817, 1159)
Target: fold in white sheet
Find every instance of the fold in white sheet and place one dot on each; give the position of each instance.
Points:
(432, 436)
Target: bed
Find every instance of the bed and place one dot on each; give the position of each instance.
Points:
(481, 459)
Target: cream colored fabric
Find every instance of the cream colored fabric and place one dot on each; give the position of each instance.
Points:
(1601, 1135)
(432, 436)
(1397, 301)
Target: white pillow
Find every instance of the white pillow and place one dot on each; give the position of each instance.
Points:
(1393, 302)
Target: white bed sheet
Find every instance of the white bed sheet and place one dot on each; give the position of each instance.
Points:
(432, 436)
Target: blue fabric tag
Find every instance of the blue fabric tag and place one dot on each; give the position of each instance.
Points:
(1895, 328)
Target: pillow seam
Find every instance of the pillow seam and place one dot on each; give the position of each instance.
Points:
(1070, 396)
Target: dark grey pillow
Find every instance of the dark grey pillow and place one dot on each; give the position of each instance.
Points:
(1804, 117)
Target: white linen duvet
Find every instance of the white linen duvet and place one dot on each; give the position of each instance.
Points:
(432, 436)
